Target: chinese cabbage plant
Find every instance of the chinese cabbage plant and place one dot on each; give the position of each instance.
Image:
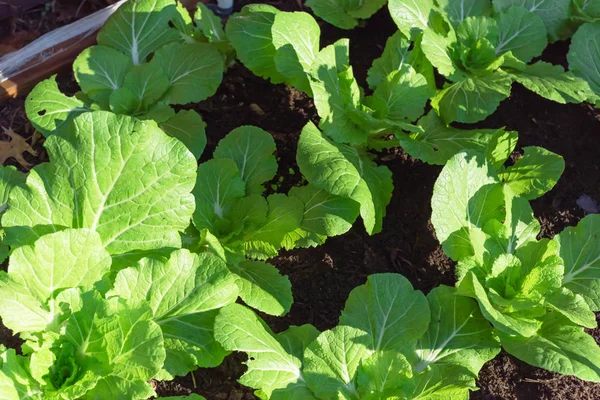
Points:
(244, 227)
(345, 14)
(97, 283)
(392, 342)
(150, 55)
(482, 55)
(538, 294)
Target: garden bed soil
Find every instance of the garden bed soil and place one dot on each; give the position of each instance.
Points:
(323, 277)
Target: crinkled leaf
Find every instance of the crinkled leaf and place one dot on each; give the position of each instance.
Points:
(572, 306)
(389, 310)
(49, 110)
(533, 174)
(252, 150)
(16, 382)
(263, 287)
(342, 170)
(139, 28)
(194, 71)
(116, 175)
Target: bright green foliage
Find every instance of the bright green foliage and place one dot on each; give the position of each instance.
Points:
(482, 55)
(432, 347)
(528, 289)
(116, 76)
(585, 11)
(104, 167)
(584, 54)
(345, 14)
(10, 178)
(241, 225)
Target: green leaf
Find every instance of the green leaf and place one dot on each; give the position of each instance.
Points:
(296, 339)
(250, 34)
(148, 82)
(382, 374)
(471, 99)
(270, 366)
(16, 382)
(522, 33)
(465, 197)
(334, 12)
(341, 170)
(139, 28)
(411, 16)
(285, 215)
(572, 306)
(584, 54)
(296, 38)
(182, 291)
(533, 174)
(100, 69)
(554, 13)
(10, 177)
(457, 10)
(218, 186)
(580, 250)
(187, 126)
(389, 310)
(252, 150)
(437, 143)
(116, 175)
(395, 54)
(49, 110)
(194, 71)
(263, 287)
(208, 24)
(404, 93)
(501, 147)
(325, 214)
(457, 335)
(123, 101)
(331, 362)
(557, 346)
(437, 49)
(553, 83)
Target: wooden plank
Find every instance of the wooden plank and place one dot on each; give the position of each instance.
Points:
(45, 56)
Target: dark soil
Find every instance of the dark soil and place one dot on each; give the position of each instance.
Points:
(323, 277)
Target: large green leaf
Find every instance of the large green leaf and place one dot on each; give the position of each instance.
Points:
(457, 10)
(437, 49)
(465, 197)
(457, 335)
(382, 375)
(16, 382)
(296, 38)
(147, 82)
(554, 13)
(139, 28)
(187, 126)
(534, 174)
(395, 54)
(471, 99)
(584, 54)
(194, 70)
(580, 250)
(411, 16)
(252, 149)
(334, 12)
(49, 110)
(522, 33)
(342, 170)
(116, 175)
(331, 362)
(437, 143)
(389, 310)
(557, 346)
(270, 366)
(182, 292)
(250, 34)
(263, 287)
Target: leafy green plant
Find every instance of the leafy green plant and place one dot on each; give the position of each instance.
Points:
(483, 55)
(584, 54)
(244, 227)
(345, 14)
(392, 342)
(538, 294)
(97, 283)
(150, 55)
